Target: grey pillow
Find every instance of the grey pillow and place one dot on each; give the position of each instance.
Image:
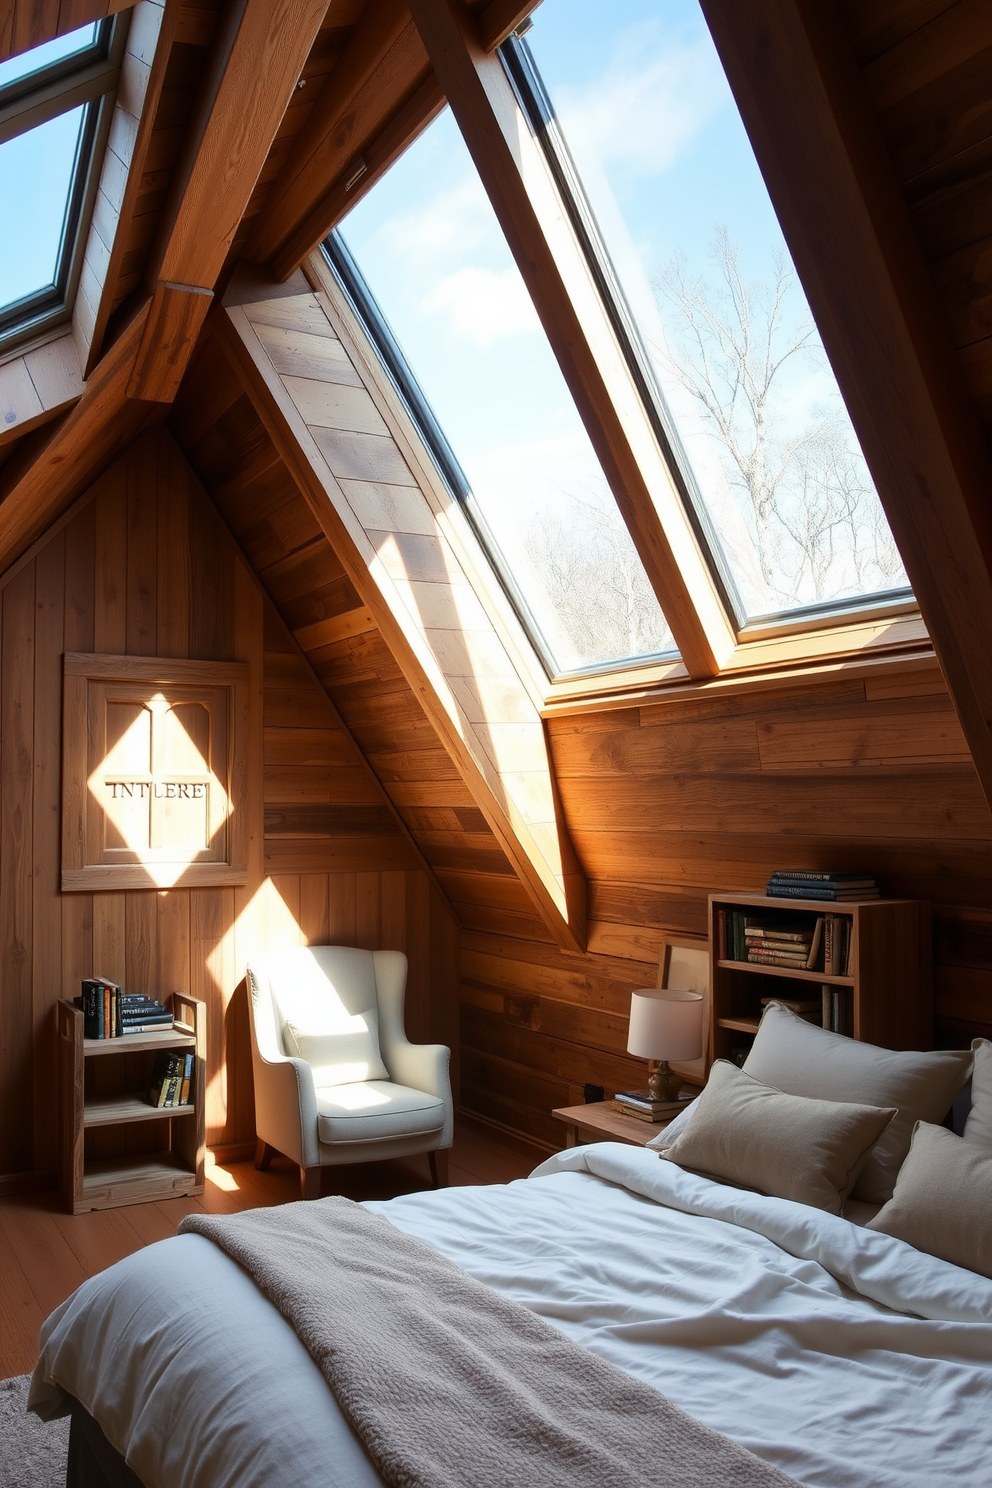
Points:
(943, 1200)
(978, 1127)
(786, 1145)
(797, 1057)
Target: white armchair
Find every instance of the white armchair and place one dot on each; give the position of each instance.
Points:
(305, 1000)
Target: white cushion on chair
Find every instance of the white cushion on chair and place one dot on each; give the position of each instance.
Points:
(375, 1109)
(341, 1051)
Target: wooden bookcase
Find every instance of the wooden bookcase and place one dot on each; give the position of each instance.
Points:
(887, 990)
(114, 1148)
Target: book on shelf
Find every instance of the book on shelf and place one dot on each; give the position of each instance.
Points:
(838, 887)
(813, 876)
(790, 940)
(171, 1076)
(110, 1013)
(828, 895)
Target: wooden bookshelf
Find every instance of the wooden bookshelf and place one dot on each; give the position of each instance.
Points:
(886, 991)
(114, 1148)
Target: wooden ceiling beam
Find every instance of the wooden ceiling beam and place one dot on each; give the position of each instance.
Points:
(521, 187)
(381, 65)
(423, 105)
(258, 53)
(33, 494)
(807, 112)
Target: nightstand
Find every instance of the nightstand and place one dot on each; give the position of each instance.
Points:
(602, 1122)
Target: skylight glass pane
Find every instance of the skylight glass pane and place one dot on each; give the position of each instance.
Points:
(430, 247)
(36, 174)
(643, 103)
(15, 69)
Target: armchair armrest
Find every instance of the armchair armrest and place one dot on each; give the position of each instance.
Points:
(286, 1107)
(424, 1067)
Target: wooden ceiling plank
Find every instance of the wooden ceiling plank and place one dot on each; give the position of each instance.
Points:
(362, 91)
(499, 19)
(423, 106)
(34, 494)
(380, 26)
(521, 187)
(37, 386)
(806, 110)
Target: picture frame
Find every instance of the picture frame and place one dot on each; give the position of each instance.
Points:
(685, 967)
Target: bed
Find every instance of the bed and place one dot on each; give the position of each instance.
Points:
(837, 1353)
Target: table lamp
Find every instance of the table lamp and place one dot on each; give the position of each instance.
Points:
(665, 1024)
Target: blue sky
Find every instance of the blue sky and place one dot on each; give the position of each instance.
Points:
(35, 175)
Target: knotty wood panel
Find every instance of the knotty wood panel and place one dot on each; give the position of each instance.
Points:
(142, 565)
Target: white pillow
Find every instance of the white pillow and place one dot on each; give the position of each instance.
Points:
(343, 1053)
(978, 1127)
(801, 1059)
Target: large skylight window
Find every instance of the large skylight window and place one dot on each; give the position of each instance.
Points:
(432, 254)
(751, 408)
(54, 104)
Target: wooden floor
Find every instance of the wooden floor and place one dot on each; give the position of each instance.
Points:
(45, 1253)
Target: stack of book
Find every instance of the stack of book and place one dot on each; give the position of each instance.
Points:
(110, 1013)
(834, 888)
(638, 1103)
(142, 1014)
(769, 942)
(172, 1075)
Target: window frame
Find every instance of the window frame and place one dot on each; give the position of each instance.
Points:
(375, 324)
(538, 111)
(85, 79)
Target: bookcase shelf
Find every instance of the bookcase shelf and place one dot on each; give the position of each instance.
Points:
(114, 1148)
(887, 996)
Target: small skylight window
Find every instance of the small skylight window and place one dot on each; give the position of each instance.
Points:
(37, 170)
(742, 385)
(430, 248)
(54, 110)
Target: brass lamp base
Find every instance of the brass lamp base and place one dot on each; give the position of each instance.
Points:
(663, 1083)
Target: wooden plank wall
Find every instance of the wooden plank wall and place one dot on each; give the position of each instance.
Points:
(144, 566)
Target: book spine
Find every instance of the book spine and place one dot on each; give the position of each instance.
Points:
(825, 994)
(187, 1080)
(721, 931)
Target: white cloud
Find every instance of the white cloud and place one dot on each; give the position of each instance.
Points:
(643, 111)
(484, 305)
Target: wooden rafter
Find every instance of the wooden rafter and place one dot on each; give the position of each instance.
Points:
(521, 188)
(807, 113)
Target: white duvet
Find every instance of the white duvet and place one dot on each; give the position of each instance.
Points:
(841, 1355)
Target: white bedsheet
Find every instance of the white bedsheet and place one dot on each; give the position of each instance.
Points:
(843, 1356)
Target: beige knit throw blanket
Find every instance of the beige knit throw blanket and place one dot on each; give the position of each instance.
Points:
(450, 1385)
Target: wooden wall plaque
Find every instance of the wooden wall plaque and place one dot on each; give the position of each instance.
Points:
(154, 772)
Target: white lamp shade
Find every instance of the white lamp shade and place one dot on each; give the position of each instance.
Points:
(666, 1024)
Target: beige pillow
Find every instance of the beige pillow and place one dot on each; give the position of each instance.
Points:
(785, 1145)
(800, 1058)
(978, 1127)
(342, 1054)
(943, 1200)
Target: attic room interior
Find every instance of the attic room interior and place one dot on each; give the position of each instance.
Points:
(495, 559)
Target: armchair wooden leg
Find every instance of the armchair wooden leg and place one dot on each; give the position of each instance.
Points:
(439, 1168)
(310, 1183)
(263, 1155)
